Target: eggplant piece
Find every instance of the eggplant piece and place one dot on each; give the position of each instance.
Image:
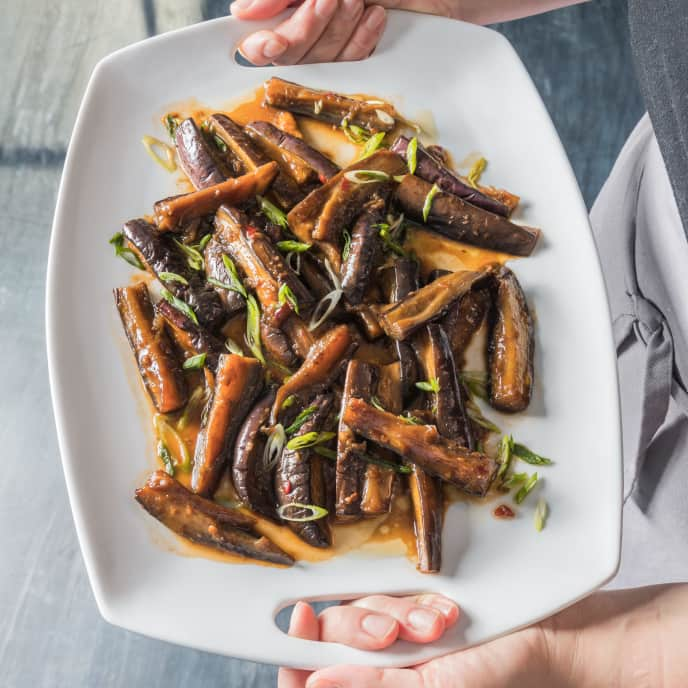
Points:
(358, 268)
(299, 479)
(405, 281)
(320, 367)
(238, 383)
(424, 446)
(253, 483)
(158, 365)
(378, 481)
(433, 170)
(328, 209)
(205, 522)
(361, 381)
(511, 346)
(435, 355)
(463, 320)
(233, 301)
(303, 161)
(455, 218)
(430, 302)
(171, 213)
(191, 338)
(196, 157)
(329, 107)
(428, 512)
(287, 193)
(159, 254)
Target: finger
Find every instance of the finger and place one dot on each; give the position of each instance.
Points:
(418, 623)
(304, 27)
(303, 624)
(262, 47)
(364, 677)
(448, 608)
(357, 628)
(337, 33)
(445, 9)
(258, 9)
(365, 36)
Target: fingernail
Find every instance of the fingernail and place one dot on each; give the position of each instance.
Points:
(321, 683)
(325, 8)
(378, 626)
(241, 4)
(422, 619)
(273, 48)
(375, 18)
(445, 607)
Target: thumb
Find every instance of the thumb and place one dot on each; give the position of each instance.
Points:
(259, 9)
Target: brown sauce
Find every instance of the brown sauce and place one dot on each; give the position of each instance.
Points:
(389, 535)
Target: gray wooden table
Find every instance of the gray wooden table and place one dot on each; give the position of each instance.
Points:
(50, 630)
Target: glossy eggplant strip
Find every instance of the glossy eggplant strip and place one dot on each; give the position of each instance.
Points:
(215, 269)
(361, 381)
(435, 355)
(461, 221)
(424, 446)
(287, 193)
(299, 479)
(405, 281)
(431, 169)
(205, 522)
(172, 213)
(358, 268)
(323, 214)
(238, 382)
(378, 481)
(373, 115)
(430, 302)
(463, 320)
(322, 365)
(253, 482)
(428, 511)
(191, 338)
(276, 142)
(159, 254)
(157, 362)
(511, 346)
(196, 157)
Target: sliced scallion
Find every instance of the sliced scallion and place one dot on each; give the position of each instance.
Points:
(427, 204)
(117, 240)
(346, 251)
(431, 385)
(195, 362)
(372, 144)
(152, 145)
(290, 246)
(541, 513)
(476, 172)
(253, 328)
(286, 295)
(506, 447)
(526, 489)
(172, 277)
(272, 212)
(193, 256)
(366, 176)
(180, 305)
(300, 419)
(316, 512)
(166, 458)
(411, 155)
(309, 439)
(522, 452)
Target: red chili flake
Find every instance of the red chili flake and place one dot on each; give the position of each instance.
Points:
(286, 487)
(345, 184)
(251, 231)
(283, 312)
(322, 178)
(503, 511)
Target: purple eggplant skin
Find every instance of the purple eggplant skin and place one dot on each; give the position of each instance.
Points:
(426, 499)
(323, 166)
(253, 484)
(160, 254)
(404, 281)
(358, 268)
(190, 337)
(299, 478)
(459, 220)
(433, 170)
(215, 269)
(196, 157)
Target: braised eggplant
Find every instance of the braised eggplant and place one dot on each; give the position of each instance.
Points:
(215, 269)
(196, 157)
(455, 218)
(361, 381)
(464, 319)
(428, 510)
(511, 346)
(373, 115)
(206, 522)
(253, 480)
(238, 383)
(158, 364)
(172, 213)
(435, 171)
(424, 446)
(294, 152)
(299, 479)
(430, 302)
